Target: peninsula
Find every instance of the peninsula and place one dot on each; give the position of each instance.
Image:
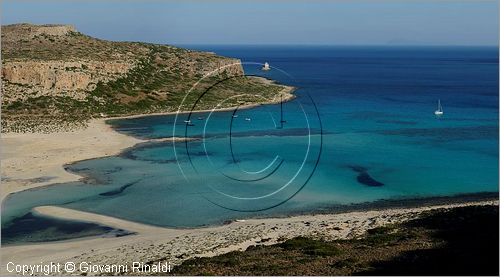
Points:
(56, 78)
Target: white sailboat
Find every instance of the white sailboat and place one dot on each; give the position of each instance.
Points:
(439, 111)
(266, 66)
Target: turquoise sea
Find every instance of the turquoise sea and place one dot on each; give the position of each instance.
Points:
(362, 129)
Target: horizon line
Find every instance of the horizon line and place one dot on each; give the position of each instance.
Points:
(2, 24)
(314, 44)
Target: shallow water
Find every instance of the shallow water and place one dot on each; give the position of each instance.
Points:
(367, 112)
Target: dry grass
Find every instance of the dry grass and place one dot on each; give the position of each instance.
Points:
(459, 241)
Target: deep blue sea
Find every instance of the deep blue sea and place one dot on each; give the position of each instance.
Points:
(361, 129)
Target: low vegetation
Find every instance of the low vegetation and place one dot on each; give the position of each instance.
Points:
(459, 241)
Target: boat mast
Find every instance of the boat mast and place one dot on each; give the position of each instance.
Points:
(281, 113)
(281, 109)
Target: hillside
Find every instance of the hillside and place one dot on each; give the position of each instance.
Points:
(54, 77)
(444, 242)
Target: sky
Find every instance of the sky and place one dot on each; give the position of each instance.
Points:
(323, 22)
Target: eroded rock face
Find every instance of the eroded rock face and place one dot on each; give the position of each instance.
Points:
(201, 64)
(54, 30)
(25, 79)
(24, 31)
(58, 78)
(230, 66)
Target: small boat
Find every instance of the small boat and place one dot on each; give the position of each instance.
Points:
(266, 67)
(248, 119)
(235, 116)
(439, 111)
(187, 121)
(201, 118)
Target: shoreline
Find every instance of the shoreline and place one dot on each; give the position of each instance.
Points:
(151, 243)
(287, 93)
(31, 160)
(402, 203)
(69, 214)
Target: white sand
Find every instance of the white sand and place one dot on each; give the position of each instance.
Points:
(33, 159)
(175, 245)
(30, 160)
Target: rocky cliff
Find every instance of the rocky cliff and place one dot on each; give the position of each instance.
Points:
(25, 79)
(53, 73)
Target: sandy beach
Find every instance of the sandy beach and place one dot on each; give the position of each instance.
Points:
(152, 243)
(32, 159)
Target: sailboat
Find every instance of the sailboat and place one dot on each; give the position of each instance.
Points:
(439, 111)
(281, 113)
(266, 67)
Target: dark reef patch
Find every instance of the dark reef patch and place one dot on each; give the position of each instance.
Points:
(113, 170)
(363, 176)
(118, 190)
(130, 152)
(365, 179)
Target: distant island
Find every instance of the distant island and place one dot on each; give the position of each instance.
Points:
(56, 78)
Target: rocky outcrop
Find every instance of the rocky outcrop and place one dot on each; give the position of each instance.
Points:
(231, 67)
(54, 30)
(26, 79)
(23, 31)
(201, 63)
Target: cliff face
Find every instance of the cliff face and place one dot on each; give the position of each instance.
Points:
(47, 60)
(54, 74)
(25, 79)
